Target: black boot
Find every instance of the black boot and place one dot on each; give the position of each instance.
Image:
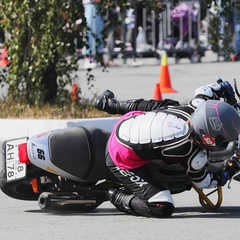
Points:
(108, 103)
(120, 200)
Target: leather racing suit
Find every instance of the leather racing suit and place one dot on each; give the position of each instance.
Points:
(153, 131)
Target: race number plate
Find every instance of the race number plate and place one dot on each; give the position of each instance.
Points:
(14, 170)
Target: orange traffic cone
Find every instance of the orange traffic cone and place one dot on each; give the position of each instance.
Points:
(74, 94)
(164, 81)
(3, 60)
(157, 93)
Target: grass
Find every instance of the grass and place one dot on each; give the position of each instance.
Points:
(11, 109)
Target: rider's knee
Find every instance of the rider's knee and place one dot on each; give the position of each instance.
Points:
(160, 205)
(161, 209)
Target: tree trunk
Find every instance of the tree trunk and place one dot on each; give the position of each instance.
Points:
(49, 82)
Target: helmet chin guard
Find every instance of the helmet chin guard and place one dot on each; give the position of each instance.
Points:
(215, 124)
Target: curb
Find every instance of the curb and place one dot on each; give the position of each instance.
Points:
(15, 128)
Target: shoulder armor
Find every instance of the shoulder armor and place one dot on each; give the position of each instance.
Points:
(208, 91)
(194, 103)
(204, 91)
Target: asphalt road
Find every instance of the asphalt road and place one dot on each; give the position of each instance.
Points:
(22, 220)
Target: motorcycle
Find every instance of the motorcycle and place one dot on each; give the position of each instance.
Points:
(65, 169)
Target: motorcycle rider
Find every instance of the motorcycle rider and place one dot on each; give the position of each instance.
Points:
(162, 129)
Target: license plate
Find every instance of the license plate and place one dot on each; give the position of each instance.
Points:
(14, 170)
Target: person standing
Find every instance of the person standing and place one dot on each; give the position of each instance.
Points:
(94, 33)
(231, 17)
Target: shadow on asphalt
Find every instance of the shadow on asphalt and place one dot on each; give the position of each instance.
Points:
(181, 212)
(199, 212)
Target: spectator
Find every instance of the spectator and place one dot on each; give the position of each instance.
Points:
(95, 26)
(231, 17)
(79, 39)
(114, 28)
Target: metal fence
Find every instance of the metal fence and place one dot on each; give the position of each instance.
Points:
(181, 31)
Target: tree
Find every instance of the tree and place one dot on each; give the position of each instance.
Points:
(40, 46)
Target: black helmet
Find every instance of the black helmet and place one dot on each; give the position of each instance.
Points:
(215, 124)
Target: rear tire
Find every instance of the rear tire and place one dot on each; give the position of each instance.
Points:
(20, 189)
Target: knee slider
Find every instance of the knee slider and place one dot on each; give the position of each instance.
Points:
(161, 210)
(153, 209)
(161, 204)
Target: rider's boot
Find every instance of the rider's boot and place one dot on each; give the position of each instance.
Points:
(120, 200)
(108, 103)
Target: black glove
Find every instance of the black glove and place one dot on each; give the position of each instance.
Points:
(101, 102)
(230, 168)
(228, 93)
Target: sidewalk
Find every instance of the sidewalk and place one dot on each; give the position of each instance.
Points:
(138, 62)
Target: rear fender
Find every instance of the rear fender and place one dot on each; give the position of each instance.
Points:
(39, 154)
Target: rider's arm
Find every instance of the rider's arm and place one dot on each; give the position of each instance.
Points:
(203, 178)
(150, 105)
(108, 103)
(214, 91)
(199, 175)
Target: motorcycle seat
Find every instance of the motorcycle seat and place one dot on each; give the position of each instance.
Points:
(80, 151)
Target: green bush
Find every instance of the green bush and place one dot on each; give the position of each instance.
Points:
(40, 47)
